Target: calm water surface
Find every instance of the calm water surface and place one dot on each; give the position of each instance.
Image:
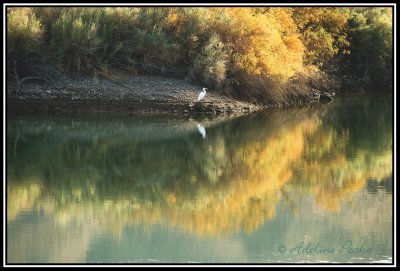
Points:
(311, 184)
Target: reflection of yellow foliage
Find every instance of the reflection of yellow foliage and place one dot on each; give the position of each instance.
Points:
(331, 198)
(21, 196)
(378, 166)
(241, 193)
(238, 189)
(335, 177)
(261, 169)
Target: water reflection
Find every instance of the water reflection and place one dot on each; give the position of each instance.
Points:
(201, 130)
(70, 182)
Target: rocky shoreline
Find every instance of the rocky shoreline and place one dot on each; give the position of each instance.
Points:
(133, 95)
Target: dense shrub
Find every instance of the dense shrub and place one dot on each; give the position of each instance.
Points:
(24, 40)
(324, 32)
(371, 40)
(252, 53)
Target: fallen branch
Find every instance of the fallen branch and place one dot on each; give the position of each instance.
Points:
(19, 82)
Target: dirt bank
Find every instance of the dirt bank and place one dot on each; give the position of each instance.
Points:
(143, 95)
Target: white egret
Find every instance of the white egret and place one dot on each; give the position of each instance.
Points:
(201, 129)
(201, 95)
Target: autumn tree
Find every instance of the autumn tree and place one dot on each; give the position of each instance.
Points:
(323, 32)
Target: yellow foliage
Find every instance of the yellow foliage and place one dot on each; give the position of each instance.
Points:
(323, 31)
(172, 19)
(263, 43)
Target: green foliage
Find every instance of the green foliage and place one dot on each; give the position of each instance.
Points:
(155, 49)
(371, 45)
(24, 39)
(210, 66)
(24, 31)
(75, 41)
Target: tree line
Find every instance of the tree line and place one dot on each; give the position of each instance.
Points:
(262, 54)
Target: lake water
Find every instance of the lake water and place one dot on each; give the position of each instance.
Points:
(310, 184)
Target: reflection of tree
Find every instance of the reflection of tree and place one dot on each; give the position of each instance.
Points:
(22, 196)
(339, 159)
(257, 171)
(230, 181)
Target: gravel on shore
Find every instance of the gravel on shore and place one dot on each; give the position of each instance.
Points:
(143, 95)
